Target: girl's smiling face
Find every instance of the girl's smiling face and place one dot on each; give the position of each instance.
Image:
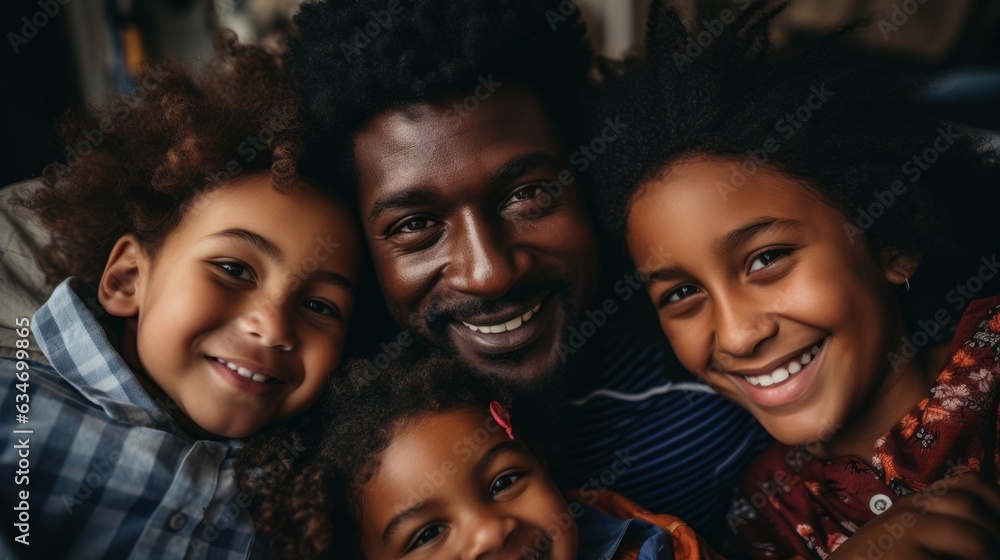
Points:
(453, 485)
(764, 296)
(239, 318)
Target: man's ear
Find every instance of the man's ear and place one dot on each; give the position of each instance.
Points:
(119, 289)
(900, 268)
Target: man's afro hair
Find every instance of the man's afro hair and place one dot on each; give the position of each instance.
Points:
(354, 59)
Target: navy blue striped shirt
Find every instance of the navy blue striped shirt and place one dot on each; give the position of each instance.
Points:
(643, 427)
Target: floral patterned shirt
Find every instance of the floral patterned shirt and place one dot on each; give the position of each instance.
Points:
(794, 505)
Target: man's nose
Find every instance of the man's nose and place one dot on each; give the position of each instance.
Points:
(742, 323)
(482, 263)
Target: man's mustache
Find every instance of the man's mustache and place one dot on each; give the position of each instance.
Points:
(438, 316)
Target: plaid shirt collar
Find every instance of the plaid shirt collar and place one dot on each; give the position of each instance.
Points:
(68, 331)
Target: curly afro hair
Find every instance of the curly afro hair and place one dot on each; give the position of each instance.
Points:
(306, 503)
(734, 98)
(354, 59)
(150, 152)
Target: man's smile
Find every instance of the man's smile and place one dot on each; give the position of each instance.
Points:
(525, 327)
(507, 320)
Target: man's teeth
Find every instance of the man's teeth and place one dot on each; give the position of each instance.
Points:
(513, 324)
(785, 371)
(243, 372)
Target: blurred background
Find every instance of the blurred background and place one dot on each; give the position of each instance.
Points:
(72, 53)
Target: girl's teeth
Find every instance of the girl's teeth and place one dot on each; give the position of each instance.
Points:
(511, 325)
(243, 372)
(783, 372)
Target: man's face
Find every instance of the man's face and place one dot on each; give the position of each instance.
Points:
(478, 229)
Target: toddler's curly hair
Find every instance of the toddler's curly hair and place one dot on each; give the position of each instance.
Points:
(306, 498)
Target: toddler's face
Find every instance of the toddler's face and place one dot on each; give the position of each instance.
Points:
(241, 314)
(762, 293)
(453, 485)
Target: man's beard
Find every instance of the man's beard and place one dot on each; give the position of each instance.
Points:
(438, 319)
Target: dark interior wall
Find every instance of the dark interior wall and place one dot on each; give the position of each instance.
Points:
(37, 81)
(41, 73)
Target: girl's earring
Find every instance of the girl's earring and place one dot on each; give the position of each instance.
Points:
(906, 285)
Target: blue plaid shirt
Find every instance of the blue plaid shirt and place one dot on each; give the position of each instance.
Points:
(111, 475)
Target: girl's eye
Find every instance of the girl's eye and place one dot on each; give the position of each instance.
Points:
(525, 193)
(321, 307)
(426, 535)
(504, 482)
(766, 258)
(681, 293)
(235, 270)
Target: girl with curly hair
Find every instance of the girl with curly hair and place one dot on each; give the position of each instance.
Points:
(783, 203)
(429, 463)
(205, 292)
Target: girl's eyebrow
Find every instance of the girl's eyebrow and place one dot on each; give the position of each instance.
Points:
(495, 451)
(396, 521)
(757, 226)
(730, 242)
(258, 241)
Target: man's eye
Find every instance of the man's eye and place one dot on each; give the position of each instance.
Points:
(766, 258)
(235, 270)
(504, 482)
(413, 225)
(679, 294)
(426, 535)
(525, 193)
